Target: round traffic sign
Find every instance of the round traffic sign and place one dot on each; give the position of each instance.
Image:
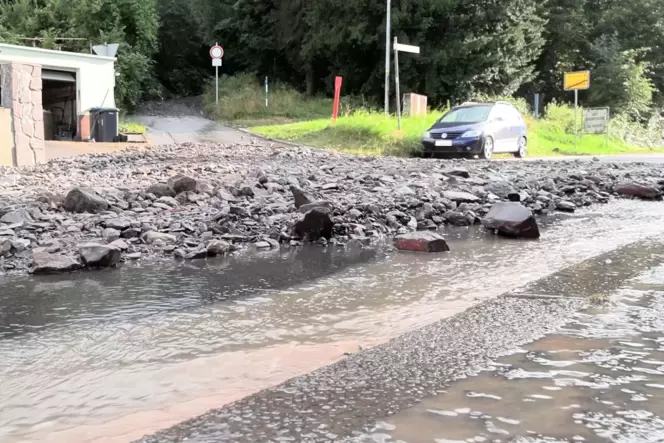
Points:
(216, 51)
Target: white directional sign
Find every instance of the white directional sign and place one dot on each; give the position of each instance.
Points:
(595, 120)
(406, 48)
(216, 62)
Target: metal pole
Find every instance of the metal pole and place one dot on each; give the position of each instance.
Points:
(576, 106)
(387, 57)
(216, 83)
(396, 83)
(266, 91)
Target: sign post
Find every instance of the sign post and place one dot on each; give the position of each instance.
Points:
(337, 97)
(575, 81)
(404, 48)
(216, 52)
(266, 91)
(596, 121)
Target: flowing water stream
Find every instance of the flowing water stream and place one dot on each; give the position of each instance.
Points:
(109, 356)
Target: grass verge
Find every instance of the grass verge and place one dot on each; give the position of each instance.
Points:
(127, 127)
(242, 103)
(373, 133)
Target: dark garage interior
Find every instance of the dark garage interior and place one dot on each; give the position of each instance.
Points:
(59, 103)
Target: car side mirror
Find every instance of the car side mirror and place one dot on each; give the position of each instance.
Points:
(498, 119)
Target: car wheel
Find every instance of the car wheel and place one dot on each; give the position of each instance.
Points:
(521, 148)
(487, 148)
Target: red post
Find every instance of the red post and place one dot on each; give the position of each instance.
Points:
(337, 95)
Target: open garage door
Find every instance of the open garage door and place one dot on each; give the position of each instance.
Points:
(59, 102)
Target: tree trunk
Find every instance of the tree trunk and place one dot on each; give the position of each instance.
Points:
(309, 78)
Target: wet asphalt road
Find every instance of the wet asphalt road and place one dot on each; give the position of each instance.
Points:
(344, 401)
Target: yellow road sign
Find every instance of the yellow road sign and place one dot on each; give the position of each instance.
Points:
(576, 80)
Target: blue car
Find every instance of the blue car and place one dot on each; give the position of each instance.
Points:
(478, 129)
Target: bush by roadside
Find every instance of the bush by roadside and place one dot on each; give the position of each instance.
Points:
(242, 103)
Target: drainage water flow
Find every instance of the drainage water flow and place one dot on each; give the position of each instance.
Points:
(110, 356)
(599, 378)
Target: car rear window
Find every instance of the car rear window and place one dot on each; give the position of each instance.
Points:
(472, 114)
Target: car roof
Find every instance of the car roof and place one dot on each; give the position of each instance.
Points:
(471, 104)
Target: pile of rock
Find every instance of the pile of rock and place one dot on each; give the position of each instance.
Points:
(194, 201)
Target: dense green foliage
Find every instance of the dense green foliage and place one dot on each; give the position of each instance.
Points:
(469, 47)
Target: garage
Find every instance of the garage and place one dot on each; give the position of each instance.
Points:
(59, 103)
(59, 87)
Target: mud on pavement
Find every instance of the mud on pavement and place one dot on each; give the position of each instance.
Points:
(345, 401)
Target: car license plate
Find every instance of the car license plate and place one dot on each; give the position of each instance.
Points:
(443, 142)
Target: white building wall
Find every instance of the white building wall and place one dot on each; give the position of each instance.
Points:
(95, 75)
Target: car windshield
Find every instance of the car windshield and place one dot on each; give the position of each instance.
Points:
(471, 114)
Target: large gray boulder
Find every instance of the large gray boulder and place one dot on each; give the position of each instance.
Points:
(637, 190)
(45, 263)
(160, 190)
(99, 256)
(301, 198)
(84, 200)
(183, 183)
(17, 216)
(421, 241)
(511, 219)
(314, 225)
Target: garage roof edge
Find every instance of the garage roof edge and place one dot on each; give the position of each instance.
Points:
(51, 51)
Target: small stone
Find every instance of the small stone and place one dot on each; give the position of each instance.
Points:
(330, 186)
(84, 200)
(197, 254)
(20, 244)
(134, 256)
(5, 247)
(109, 235)
(153, 237)
(218, 247)
(119, 223)
(131, 233)
(263, 245)
(458, 172)
(170, 201)
(460, 196)
(119, 244)
(566, 206)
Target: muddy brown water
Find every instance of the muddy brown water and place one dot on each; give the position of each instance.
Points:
(599, 378)
(110, 356)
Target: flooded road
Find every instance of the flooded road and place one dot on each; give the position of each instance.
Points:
(110, 356)
(599, 378)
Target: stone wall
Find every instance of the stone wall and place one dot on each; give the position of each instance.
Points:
(22, 94)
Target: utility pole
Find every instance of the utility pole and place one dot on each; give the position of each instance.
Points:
(387, 58)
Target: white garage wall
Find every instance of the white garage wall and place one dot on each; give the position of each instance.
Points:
(95, 75)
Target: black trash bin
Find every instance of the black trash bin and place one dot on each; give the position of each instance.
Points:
(104, 124)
